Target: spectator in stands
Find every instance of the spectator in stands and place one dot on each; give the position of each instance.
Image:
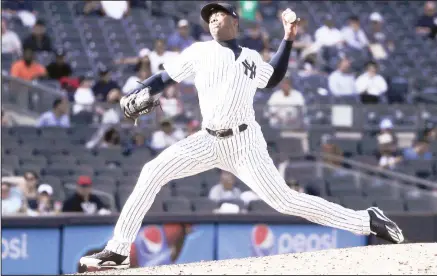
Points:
(38, 40)
(11, 43)
(7, 119)
(27, 68)
(308, 66)
(200, 32)
(193, 126)
(104, 85)
(284, 104)
(181, 38)
(303, 41)
(111, 139)
(387, 145)
(254, 38)
(354, 35)
(138, 141)
(12, 202)
(380, 42)
(166, 136)
(43, 203)
(427, 23)
(420, 151)
(84, 201)
(29, 186)
(333, 153)
(57, 117)
(115, 9)
(371, 85)
(22, 9)
(93, 8)
(132, 81)
(386, 133)
(84, 96)
(171, 104)
(159, 55)
(341, 82)
(59, 67)
(225, 189)
(430, 132)
(248, 10)
(266, 55)
(328, 35)
(268, 10)
(112, 113)
(141, 62)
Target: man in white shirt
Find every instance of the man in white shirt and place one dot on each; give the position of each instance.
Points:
(132, 81)
(115, 9)
(353, 35)
(160, 55)
(225, 189)
(370, 85)
(341, 82)
(57, 117)
(167, 136)
(11, 43)
(84, 96)
(283, 104)
(328, 35)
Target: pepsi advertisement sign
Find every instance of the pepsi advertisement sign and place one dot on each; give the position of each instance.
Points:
(30, 251)
(241, 241)
(154, 245)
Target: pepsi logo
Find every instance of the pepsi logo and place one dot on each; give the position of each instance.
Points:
(152, 239)
(263, 239)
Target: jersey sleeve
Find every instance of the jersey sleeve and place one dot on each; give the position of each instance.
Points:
(184, 65)
(265, 72)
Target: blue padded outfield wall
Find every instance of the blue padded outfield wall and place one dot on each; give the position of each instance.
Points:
(58, 250)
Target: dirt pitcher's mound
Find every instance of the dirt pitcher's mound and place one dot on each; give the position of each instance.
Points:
(419, 259)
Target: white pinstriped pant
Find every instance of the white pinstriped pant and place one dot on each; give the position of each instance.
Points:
(245, 155)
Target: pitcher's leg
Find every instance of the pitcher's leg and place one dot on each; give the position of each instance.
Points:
(185, 158)
(257, 170)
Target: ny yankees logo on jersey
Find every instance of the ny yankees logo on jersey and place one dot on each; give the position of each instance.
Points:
(251, 68)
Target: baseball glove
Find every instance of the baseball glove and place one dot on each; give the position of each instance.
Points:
(138, 102)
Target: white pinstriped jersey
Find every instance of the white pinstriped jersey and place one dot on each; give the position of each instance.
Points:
(226, 86)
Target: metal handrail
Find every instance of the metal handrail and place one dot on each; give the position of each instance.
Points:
(399, 176)
(29, 96)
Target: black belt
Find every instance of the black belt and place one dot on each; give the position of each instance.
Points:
(223, 133)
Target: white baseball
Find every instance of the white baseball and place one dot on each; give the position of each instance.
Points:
(290, 16)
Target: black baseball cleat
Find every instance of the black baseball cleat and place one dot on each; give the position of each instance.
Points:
(381, 226)
(105, 259)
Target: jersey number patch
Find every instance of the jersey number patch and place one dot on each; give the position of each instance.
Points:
(249, 68)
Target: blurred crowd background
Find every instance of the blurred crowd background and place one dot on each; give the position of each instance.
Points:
(367, 68)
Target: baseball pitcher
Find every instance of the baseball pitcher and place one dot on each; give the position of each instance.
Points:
(226, 77)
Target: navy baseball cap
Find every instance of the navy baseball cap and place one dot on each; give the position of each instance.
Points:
(208, 9)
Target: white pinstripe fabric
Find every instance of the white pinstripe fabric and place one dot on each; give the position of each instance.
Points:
(226, 101)
(246, 156)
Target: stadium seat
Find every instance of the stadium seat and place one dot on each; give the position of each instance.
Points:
(110, 172)
(425, 204)
(259, 206)
(203, 205)
(177, 205)
(381, 190)
(356, 202)
(188, 191)
(11, 160)
(58, 170)
(390, 204)
(66, 160)
(106, 186)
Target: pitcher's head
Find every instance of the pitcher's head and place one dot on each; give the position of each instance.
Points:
(223, 20)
